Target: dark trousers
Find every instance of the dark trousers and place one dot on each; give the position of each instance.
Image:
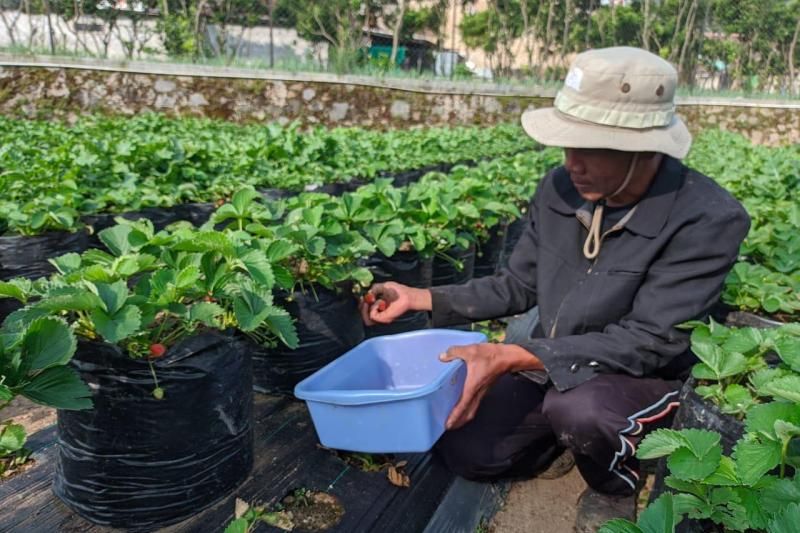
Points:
(521, 426)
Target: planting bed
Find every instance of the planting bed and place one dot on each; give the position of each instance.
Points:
(287, 457)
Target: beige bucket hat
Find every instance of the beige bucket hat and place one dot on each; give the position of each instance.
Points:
(620, 98)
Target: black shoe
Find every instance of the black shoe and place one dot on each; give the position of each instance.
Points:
(596, 508)
(560, 467)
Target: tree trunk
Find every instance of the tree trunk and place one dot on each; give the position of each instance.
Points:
(687, 38)
(526, 32)
(614, 22)
(548, 36)
(271, 38)
(50, 27)
(673, 47)
(568, 13)
(398, 27)
(646, 26)
(792, 47)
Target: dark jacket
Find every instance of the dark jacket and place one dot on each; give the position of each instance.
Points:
(662, 266)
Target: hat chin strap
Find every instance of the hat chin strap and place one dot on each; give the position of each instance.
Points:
(591, 247)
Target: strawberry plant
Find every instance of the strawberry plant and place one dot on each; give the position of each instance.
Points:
(150, 290)
(733, 372)
(737, 492)
(33, 363)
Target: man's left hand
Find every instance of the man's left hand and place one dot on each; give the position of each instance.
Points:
(486, 362)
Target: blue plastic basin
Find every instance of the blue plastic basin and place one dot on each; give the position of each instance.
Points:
(389, 394)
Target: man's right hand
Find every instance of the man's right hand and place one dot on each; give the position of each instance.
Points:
(384, 302)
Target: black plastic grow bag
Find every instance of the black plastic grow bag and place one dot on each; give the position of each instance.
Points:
(513, 234)
(328, 324)
(409, 269)
(446, 273)
(489, 253)
(139, 463)
(695, 412)
(26, 256)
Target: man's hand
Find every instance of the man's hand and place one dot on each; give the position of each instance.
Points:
(486, 362)
(385, 302)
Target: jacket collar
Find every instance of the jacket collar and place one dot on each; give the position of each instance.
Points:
(653, 209)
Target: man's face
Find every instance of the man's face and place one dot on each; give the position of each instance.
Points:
(596, 172)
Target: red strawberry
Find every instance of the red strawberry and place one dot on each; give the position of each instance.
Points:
(369, 298)
(381, 305)
(157, 350)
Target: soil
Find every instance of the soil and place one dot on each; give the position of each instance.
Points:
(540, 506)
(33, 417)
(312, 511)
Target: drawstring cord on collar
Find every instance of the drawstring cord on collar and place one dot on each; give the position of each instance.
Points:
(591, 247)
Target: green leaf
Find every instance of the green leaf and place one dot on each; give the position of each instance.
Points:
(120, 325)
(59, 387)
(187, 277)
(12, 438)
(757, 517)
(13, 290)
(659, 516)
(659, 443)
(778, 494)
(243, 198)
(251, 309)
(788, 349)
(5, 393)
(737, 398)
(259, 268)
(762, 377)
(786, 387)
(69, 299)
(701, 441)
(279, 250)
(207, 313)
(703, 371)
(619, 525)
(786, 521)
(725, 474)
(743, 340)
(47, 342)
(115, 239)
(684, 464)
(361, 275)
(282, 326)
(66, 263)
(113, 295)
(754, 459)
(240, 525)
(761, 418)
(387, 246)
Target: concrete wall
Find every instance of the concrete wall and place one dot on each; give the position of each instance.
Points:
(36, 89)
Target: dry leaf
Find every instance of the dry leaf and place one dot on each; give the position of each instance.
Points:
(398, 478)
(240, 508)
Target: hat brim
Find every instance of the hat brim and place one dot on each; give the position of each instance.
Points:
(550, 127)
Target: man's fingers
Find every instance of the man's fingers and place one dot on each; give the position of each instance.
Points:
(455, 352)
(363, 308)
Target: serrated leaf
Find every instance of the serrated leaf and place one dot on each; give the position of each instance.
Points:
(259, 268)
(788, 349)
(701, 441)
(279, 250)
(13, 290)
(762, 377)
(761, 418)
(240, 525)
(756, 515)
(619, 525)
(684, 464)
(779, 493)
(786, 387)
(703, 371)
(47, 342)
(66, 263)
(207, 313)
(243, 198)
(786, 521)
(724, 475)
(120, 325)
(737, 398)
(115, 239)
(251, 309)
(743, 340)
(59, 387)
(113, 295)
(754, 459)
(187, 277)
(282, 326)
(5, 393)
(659, 516)
(660, 443)
(12, 438)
